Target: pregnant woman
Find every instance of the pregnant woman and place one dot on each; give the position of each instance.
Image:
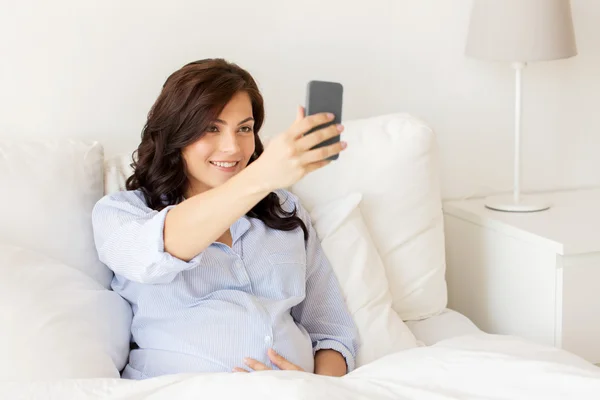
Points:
(221, 266)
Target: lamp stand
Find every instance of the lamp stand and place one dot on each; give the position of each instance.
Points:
(517, 202)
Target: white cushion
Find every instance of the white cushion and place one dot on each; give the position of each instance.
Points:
(392, 160)
(57, 322)
(48, 191)
(361, 274)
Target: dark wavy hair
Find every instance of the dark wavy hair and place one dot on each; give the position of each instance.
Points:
(191, 99)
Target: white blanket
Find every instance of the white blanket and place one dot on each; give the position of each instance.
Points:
(470, 367)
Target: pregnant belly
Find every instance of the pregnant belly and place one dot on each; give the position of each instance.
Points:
(218, 341)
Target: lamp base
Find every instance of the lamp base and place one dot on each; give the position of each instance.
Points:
(525, 204)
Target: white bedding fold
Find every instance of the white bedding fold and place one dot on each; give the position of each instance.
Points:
(478, 366)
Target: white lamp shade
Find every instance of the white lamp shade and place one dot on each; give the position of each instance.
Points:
(521, 30)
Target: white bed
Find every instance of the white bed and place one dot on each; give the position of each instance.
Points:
(65, 335)
(465, 367)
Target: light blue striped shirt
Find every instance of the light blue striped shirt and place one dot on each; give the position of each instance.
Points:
(270, 289)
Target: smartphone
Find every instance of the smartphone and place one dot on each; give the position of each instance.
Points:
(322, 96)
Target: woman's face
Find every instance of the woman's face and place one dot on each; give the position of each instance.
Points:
(225, 148)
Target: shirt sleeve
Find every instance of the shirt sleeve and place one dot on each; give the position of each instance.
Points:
(129, 238)
(324, 313)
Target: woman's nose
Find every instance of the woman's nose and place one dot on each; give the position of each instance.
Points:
(229, 143)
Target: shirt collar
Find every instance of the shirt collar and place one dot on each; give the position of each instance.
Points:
(239, 227)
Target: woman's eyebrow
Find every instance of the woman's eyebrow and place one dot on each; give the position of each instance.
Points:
(220, 121)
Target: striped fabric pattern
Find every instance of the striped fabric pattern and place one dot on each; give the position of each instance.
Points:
(270, 289)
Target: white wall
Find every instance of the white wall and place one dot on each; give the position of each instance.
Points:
(91, 69)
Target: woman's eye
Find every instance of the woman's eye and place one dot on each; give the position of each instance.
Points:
(246, 129)
(212, 129)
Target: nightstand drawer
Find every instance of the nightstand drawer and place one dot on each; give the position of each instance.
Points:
(578, 305)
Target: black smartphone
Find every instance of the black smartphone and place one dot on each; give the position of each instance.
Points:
(322, 96)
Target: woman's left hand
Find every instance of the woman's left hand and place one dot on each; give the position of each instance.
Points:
(275, 358)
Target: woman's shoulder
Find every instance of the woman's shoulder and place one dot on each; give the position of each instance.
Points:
(124, 198)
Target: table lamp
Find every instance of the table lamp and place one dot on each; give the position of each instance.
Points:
(520, 32)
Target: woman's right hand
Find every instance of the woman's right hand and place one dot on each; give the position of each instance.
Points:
(288, 157)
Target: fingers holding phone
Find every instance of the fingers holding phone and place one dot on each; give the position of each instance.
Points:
(312, 141)
(290, 156)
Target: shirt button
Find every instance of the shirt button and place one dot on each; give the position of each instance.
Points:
(267, 339)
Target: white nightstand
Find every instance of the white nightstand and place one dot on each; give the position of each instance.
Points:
(535, 275)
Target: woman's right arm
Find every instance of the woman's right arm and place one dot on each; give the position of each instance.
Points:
(147, 246)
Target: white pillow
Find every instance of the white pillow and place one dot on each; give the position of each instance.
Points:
(56, 322)
(49, 189)
(360, 271)
(393, 161)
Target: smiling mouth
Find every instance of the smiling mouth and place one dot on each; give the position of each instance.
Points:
(225, 164)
